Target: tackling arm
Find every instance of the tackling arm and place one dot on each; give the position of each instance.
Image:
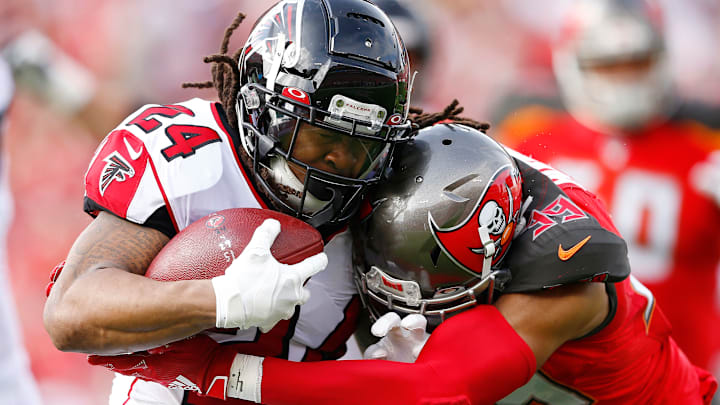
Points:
(478, 357)
(474, 357)
(102, 303)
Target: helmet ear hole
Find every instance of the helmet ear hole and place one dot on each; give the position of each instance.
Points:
(447, 142)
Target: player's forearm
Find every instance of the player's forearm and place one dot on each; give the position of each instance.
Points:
(113, 311)
(347, 382)
(475, 357)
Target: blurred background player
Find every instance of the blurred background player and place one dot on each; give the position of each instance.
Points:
(17, 384)
(648, 153)
(410, 19)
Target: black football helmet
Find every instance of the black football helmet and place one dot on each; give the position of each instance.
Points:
(316, 74)
(440, 226)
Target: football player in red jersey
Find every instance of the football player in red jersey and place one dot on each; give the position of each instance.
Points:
(651, 157)
(308, 118)
(461, 223)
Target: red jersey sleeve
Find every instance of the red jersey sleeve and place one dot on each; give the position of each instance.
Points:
(472, 358)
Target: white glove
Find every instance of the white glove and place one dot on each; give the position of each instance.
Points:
(401, 340)
(705, 176)
(257, 290)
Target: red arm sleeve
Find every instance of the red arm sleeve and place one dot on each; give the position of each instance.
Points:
(472, 358)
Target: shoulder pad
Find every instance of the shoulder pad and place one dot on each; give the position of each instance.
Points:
(561, 243)
(158, 153)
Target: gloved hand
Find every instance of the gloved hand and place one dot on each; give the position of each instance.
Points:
(197, 363)
(54, 276)
(401, 340)
(257, 290)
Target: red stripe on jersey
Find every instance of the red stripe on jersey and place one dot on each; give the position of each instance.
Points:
(164, 196)
(334, 234)
(330, 348)
(130, 390)
(250, 183)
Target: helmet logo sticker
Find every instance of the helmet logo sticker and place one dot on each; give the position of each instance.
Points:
(116, 168)
(493, 217)
(495, 211)
(395, 119)
(296, 94)
(345, 107)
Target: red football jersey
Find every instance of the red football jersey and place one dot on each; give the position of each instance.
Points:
(633, 361)
(629, 359)
(646, 180)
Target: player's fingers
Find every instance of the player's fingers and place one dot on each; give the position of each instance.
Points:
(385, 323)
(264, 236)
(375, 352)
(310, 266)
(414, 322)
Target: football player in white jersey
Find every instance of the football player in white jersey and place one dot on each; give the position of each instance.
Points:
(310, 111)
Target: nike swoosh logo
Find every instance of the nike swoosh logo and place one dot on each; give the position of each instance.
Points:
(567, 254)
(134, 155)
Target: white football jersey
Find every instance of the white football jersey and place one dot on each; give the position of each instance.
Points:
(183, 157)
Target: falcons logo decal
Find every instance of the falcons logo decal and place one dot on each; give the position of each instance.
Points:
(496, 211)
(280, 28)
(116, 168)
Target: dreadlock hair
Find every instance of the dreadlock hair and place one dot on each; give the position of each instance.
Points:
(225, 73)
(452, 113)
(226, 80)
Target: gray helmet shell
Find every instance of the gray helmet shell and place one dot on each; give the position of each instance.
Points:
(441, 224)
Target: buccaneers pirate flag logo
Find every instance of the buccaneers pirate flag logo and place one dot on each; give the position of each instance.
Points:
(496, 211)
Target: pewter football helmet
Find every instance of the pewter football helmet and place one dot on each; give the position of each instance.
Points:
(441, 224)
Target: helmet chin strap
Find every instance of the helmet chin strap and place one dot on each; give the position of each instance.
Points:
(282, 174)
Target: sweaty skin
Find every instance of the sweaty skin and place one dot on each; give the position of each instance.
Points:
(102, 303)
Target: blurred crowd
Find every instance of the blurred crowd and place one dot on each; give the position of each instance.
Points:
(81, 66)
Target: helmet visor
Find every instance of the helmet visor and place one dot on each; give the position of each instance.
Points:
(328, 149)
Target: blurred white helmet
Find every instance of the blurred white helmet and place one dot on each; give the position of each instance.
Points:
(611, 65)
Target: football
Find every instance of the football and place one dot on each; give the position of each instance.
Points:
(206, 247)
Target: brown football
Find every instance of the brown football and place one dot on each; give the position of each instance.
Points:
(206, 247)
